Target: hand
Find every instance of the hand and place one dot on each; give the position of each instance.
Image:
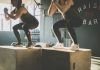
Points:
(5, 10)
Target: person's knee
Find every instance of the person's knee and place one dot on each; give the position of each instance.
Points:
(26, 30)
(25, 27)
(15, 28)
(58, 25)
(55, 27)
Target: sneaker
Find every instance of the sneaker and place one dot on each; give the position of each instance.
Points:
(74, 47)
(18, 45)
(29, 45)
(58, 45)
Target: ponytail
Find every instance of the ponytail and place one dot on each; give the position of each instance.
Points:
(19, 3)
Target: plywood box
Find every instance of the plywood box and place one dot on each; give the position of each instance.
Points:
(14, 58)
(62, 59)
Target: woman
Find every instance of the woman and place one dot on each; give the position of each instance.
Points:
(28, 21)
(69, 21)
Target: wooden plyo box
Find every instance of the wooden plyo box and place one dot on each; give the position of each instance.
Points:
(13, 58)
(62, 59)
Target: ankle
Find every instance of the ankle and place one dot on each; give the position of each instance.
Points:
(57, 45)
(18, 45)
(29, 44)
(74, 44)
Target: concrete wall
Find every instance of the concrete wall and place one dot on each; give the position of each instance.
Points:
(7, 37)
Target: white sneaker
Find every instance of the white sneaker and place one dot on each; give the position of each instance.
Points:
(58, 45)
(74, 47)
(17, 44)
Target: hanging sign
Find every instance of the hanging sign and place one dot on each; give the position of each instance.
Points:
(90, 13)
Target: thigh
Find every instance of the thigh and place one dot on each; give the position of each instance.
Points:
(30, 26)
(60, 24)
(18, 26)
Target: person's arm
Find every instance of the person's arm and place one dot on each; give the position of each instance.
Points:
(16, 15)
(52, 9)
(62, 8)
(12, 13)
(7, 17)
